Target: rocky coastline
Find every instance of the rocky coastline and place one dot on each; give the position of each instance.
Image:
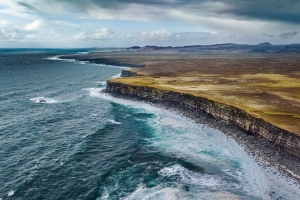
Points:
(278, 147)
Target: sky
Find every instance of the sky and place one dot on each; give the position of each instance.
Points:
(125, 23)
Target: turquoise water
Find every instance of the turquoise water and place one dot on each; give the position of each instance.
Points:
(60, 138)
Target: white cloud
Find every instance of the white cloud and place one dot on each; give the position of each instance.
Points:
(8, 32)
(34, 25)
(101, 34)
(10, 7)
(162, 34)
(65, 23)
(4, 23)
(80, 36)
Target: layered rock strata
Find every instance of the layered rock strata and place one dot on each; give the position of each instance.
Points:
(195, 106)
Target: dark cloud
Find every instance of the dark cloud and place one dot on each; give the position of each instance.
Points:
(288, 35)
(269, 35)
(26, 5)
(272, 10)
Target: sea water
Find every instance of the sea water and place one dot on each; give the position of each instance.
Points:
(61, 138)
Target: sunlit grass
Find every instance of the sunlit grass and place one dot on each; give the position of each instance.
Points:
(268, 88)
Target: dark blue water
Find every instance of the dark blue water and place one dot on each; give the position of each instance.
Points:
(62, 139)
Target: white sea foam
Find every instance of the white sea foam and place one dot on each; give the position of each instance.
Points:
(199, 143)
(167, 193)
(190, 177)
(95, 92)
(10, 193)
(208, 147)
(173, 193)
(101, 82)
(117, 76)
(114, 122)
(54, 58)
(57, 58)
(45, 100)
(83, 62)
(89, 89)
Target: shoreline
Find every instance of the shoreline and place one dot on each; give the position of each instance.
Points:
(254, 144)
(272, 152)
(100, 61)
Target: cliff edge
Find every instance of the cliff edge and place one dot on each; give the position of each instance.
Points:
(280, 148)
(196, 105)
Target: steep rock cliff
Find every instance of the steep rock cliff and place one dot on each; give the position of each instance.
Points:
(195, 106)
(128, 73)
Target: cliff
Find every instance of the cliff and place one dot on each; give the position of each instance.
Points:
(128, 73)
(195, 106)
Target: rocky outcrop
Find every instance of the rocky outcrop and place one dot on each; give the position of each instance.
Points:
(128, 73)
(195, 106)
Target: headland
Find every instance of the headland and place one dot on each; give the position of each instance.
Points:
(252, 96)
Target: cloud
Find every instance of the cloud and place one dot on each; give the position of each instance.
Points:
(10, 7)
(232, 15)
(162, 34)
(200, 21)
(270, 10)
(288, 35)
(101, 34)
(15, 35)
(65, 23)
(255, 17)
(34, 25)
(9, 33)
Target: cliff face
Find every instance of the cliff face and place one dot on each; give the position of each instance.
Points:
(195, 106)
(128, 73)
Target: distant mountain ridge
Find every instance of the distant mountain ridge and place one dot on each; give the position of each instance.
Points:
(264, 47)
(265, 44)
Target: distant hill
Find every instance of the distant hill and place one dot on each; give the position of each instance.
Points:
(225, 48)
(134, 47)
(265, 44)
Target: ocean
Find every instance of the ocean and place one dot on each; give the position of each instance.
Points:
(61, 138)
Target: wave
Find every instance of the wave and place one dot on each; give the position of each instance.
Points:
(101, 82)
(57, 58)
(84, 62)
(117, 75)
(45, 100)
(167, 193)
(114, 122)
(95, 92)
(210, 149)
(171, 193)
(10, 193)
(190, 177)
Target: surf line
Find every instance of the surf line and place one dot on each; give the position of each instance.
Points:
(208, 112)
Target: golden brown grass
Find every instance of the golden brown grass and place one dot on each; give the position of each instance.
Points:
(265, 86)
